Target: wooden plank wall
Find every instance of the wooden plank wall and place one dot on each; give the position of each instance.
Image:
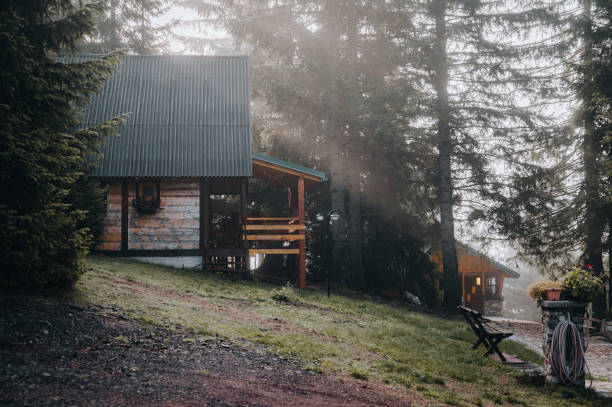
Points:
(176, 225)
(111, 237)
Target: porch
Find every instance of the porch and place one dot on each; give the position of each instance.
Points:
(236, 238)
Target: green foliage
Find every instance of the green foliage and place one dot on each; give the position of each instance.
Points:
(582, 284)
(130, 24)
(328, 93)
(43, 152)
(89, 196)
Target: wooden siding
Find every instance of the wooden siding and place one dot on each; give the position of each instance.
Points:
(468, 262)
(111, 237)
(175, 226)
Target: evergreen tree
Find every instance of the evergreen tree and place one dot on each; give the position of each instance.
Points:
(474, 71)
(43, 151)
(130, 24)
(556, 208)
(333, 70)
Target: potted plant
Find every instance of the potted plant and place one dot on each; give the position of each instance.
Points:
(545, 291)
(581, 285)
(146, 206)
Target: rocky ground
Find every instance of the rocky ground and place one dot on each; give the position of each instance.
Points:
(63, 355)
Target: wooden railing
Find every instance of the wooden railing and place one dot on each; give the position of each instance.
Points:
(260, 230)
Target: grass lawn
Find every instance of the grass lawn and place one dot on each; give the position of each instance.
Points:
(357, 336)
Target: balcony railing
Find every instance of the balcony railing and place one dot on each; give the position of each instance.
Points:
(261, 233)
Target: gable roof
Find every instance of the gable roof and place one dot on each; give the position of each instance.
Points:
(507, 271)
(189, 117)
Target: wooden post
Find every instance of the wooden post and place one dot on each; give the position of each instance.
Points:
(463, 287)
(483, 285)
(243, 216)
(301, 280)
(124, 214)
(204, 218)
(204, 193)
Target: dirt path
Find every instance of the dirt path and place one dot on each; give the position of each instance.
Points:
(60, 355)
(598, 354)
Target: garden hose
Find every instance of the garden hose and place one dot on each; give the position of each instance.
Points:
(567, 360)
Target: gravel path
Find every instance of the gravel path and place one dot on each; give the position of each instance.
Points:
(598, 354)
(62, 355)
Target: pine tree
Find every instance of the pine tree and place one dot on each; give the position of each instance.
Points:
(557, 205)
(332, 69)
(130, 24)
(473, 73)
(43, 151)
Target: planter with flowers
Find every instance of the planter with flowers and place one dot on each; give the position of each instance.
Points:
(581, 285)
(545, 291)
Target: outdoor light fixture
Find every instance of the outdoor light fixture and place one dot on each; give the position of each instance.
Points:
(286, 244)
(320, 217)
(334, 216)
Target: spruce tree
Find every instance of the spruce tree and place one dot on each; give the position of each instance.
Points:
(556, 208)
(333, 70)
(474, 71)
(130, 24)
(43, 150)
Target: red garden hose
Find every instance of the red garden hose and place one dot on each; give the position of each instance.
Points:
(566, 357)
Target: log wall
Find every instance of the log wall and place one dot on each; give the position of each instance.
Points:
(176, 225)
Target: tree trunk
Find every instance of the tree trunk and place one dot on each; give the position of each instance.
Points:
(355, 270)
(114, 34)
(355, 223)
(609, 282)
(445, 187)
(336, 151)
(590, 146)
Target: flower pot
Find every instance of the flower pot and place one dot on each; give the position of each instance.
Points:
(553, 294)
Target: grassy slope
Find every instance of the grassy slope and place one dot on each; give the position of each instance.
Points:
(359, 336)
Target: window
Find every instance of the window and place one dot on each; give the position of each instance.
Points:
(147, 197)
(492, 286)
(148, 190)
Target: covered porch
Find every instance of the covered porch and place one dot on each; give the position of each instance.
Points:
(234, 237)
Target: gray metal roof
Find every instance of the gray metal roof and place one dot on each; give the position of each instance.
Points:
(189, 117)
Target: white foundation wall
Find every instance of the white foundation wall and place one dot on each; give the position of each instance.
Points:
(180, 262)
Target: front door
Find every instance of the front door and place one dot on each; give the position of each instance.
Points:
(473, 293)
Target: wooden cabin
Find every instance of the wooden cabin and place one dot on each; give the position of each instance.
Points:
(178, 173)
(481, 279)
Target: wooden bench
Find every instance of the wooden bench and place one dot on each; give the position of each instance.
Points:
(487, 334)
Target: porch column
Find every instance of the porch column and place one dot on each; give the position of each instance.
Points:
(204, 215)
(243, 216)
(124, 214)
(301, 280)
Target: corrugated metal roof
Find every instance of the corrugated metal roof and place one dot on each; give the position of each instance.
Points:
(189, 117)
(291, 166)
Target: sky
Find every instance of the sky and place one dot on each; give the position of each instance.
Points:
(187, 30)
